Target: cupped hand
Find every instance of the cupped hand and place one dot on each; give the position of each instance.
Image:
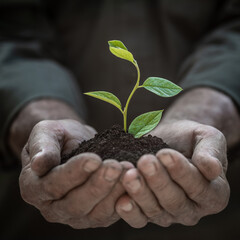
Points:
(178, 185)
(81, 192)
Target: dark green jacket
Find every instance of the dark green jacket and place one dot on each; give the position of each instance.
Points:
(55, 48)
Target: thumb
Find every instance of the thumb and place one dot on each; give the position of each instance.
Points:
(209, 154)
(44, 146)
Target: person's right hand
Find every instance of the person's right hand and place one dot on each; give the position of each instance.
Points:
(76, 193)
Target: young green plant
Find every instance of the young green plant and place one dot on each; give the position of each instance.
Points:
(160, 86)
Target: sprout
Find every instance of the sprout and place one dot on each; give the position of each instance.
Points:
(160, 86)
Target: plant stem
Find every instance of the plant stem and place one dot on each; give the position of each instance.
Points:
(130, 96)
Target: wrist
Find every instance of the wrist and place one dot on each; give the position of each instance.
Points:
(210, 107)
(31, 114)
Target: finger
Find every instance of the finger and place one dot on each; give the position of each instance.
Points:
(75, 134)
(170, 196)
(63, 178)
(127, 165)
(210, 152)
(130, 212)
(185, 174)
(140, 193)
(104, 211)
(81, 200)
(25, 158)
(211, 197)
(60, 180)
(104, 214)
(44, 146)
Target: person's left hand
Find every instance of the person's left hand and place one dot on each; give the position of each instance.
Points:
(181, 185)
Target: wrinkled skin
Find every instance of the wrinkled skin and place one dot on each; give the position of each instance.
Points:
(175, 186)
(83, 191)
(179, 185)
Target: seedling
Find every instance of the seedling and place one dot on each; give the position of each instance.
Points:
(160, 86)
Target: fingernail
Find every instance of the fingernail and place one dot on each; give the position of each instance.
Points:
(127, 207)
(90, 166)
(150, 169)
(167, 160)
(111, 173)
(134, 185)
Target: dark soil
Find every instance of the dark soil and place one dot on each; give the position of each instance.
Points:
(114, 143)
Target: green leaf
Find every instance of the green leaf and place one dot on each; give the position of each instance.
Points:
(117, 44)
(145, 123)
(162, 87)
(118, 49)
(107, 97)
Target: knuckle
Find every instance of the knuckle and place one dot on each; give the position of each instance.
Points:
(48, 157)
(220, 136)
(41, 125)
(71, 211)
(154, 213)
(165, 223)
(178, 170)
(201, 157)
(75, 211)
(190, 220)
(46, 161)
(161, 185)
(46, 125)
(205, 130)
(176, 206)
(48, 217)
(203, 160)
(102, 212)
(99, 187)
(25, 158)
(25, 189)
(163, 220)
(97, 224)
(217, 206)
(210, 167)
(98, 221)
(25, 195)
(216, 133)
(95, 191)
(209, 131)
(139, 225)
(78, 226)
(198, 193)
(162, 181)
(51, 190)
(225, 202)
(102, 218)
(77, 223)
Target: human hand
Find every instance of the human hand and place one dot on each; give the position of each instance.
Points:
(181, 185)
(77, 192)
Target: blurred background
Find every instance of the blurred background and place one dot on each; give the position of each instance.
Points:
(162, 35)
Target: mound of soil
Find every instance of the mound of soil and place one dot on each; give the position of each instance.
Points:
(114, 143)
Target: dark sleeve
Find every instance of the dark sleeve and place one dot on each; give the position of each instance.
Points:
(216, 61)
(27, 70)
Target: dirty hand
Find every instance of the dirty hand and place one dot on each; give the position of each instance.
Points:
(77, 192)
(179, 185)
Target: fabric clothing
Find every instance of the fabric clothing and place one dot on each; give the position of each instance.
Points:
(58, 49)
